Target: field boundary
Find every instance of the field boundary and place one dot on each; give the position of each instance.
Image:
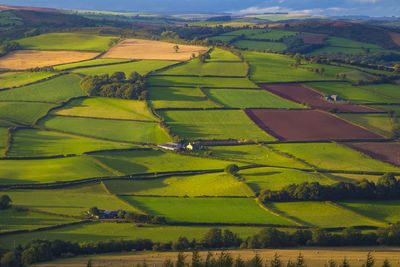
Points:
(259, 203)
(101, 118)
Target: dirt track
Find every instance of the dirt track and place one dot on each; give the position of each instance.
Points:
(387, 152)
(307, 125)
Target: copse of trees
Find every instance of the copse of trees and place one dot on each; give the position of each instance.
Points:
(116, 85)
(8, 47)
(387, 187)
(5, 202)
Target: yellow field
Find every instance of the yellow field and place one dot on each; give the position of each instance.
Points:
(314, 257)
(25, 59)
(146, 49)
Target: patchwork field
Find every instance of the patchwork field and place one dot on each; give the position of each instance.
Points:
(207, 210)
(26, 59)
(26, 113)
(13, 79)
(307, 125)
(388, 211)
(131, 131)
(300, 94)
(90, 63)
(55, 90)
(387, 152)
(390, 90)
(146, 49)
(379, 123)
(261, 46)
(213, 82)
(213, 124)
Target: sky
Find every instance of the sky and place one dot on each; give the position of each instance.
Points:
(320, 7)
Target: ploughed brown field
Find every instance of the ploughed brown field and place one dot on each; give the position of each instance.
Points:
(310, 38)
(26, 59)
(395, 37)
(388, 152)
(301, 94)
(307, 125)
(147, 49)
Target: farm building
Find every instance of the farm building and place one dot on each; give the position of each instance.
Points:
(171, 146)
(192, 146)
(333, 98)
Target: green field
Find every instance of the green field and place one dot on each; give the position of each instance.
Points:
(388, 211)
(3, 140)
(379, 123)
(11, 220)
(73, 201)
(67, 41)
(246, 32)
(390, 108)
(88, 63)
(26, 113)
(222, 38)
(116, 130)
(55, 90)
(266, 67)
(349, 92)
(179, 97)
(273, 35)
(329, 70)
(7, 124)
(214, 184)
(322, 214)
(257, 154)
(207, 210)
(49, 170)
(201, 82)
(110, 108)
(142, 67)
(213, 124)
(13, 79)
(342, 42)
(276, 178)
(390, 90)
(37, 143)
(351, 178)
(149, 161)
(243, 98)
(218, 55)
(332, 156)
(261, 46)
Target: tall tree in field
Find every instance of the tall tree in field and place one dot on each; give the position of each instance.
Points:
(176, 48)
(396, 68)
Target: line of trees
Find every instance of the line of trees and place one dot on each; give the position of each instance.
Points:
(117, 85)
(8, 47)
(387, 187)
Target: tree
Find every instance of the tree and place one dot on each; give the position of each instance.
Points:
(231, 169)
(300, 261)
(344, 263)
(5, 201)
(94, 211)
(297, 58)
(396, 68)
(239, 262)
(203, 57)
(370, 261)
(89, 263)
(167, 263)
(196, 259)
(180, 262)
(10, 259)
(331, 263)
(256, 261)
(386, 263)
(276, 262)
(176, 48)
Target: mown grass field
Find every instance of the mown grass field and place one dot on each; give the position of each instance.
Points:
(116, 130)
(329, 70)
(142, 67)
(245, 32)
(342, 42)
(243, 98)
(380, 123)
(260, 46)
(258, 154)
(390, 90)
(213, 124)
(26, 113)
(388, 211)
(55, 90)
(179, 97)
(214, 184)
(110, 108)
(12, 79)
(322, 214)
(276, 178)
(390, 108)
(37, 143)
(201, 82)
(67, 41)
(332, 156)
(49, 170)
(207, 210)
(266, 67)
(218, 55)
(3, 140)
(89, 63)
(129, 162)
(351, 178)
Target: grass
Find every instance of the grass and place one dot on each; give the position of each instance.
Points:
(55, 90)
(178, 97)
(260, 46)
(342, 42)
(329, 70)
(88, 63)
(11, 220)
(349, 92)
(390, 108)
(388, 211)
(201, 82)
(322, 214)
(273, 35)
(37, 143)
(3, 140)
(222, 38)
(257, 154)
(249, 99)
(214, 184)
(131, 131)
(218, 55)
(245, 32)
(22, 112)
(379, 123)
(213, 124)
(12, 79)
(276, 178)
(110, 108)
(390, 90)
(7, 124)
(68, 201)
(142, 67)
(148, 161)
(332, 156)
(49, 170)
(67, 41)
(351, 178)
(207, 210)
(266, 67)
